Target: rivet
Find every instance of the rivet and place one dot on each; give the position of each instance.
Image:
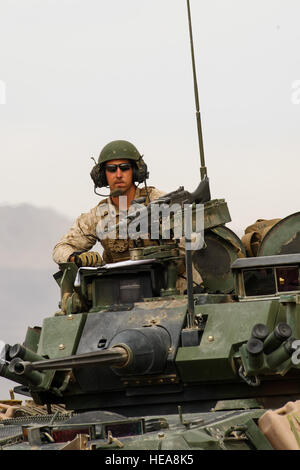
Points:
(61, 347)
(161, 435)
(210, 338)
(70, 317)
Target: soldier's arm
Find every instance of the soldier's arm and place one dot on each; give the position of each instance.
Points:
(81, 237)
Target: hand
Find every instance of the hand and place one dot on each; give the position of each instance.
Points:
(88, 258)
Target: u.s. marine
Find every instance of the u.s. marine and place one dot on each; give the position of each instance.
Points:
(121, 167)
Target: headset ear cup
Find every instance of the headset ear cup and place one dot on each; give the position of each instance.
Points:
(98, 176)
(145, 172)
(95, 174)
(102, 179)
(135, 173)
(139, 171)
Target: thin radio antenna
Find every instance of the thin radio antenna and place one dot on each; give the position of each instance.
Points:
(203, 170)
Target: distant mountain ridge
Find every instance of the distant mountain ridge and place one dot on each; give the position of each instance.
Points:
(28, 235)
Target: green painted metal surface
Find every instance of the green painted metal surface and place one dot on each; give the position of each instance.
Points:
(227, 325)
(60, 335)
(283, 238)
(222, 244)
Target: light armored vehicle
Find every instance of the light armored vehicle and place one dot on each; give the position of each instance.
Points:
(134, 364)
(139, 366)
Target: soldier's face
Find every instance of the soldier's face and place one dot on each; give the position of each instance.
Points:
(119, 179)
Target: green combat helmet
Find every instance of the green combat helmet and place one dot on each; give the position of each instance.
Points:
(117, 150)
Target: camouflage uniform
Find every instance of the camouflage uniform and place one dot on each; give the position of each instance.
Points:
(83, 235)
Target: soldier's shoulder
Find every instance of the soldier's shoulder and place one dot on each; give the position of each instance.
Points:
(104, 207)
(103, 201)
(96, 211)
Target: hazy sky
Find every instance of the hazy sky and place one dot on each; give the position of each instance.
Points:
(78, 74)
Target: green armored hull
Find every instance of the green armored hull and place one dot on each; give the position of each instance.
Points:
(132, 373)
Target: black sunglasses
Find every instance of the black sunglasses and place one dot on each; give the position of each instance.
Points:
(113, 168)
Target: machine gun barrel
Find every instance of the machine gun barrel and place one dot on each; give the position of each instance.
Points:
(182, 196)
(113, 356)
